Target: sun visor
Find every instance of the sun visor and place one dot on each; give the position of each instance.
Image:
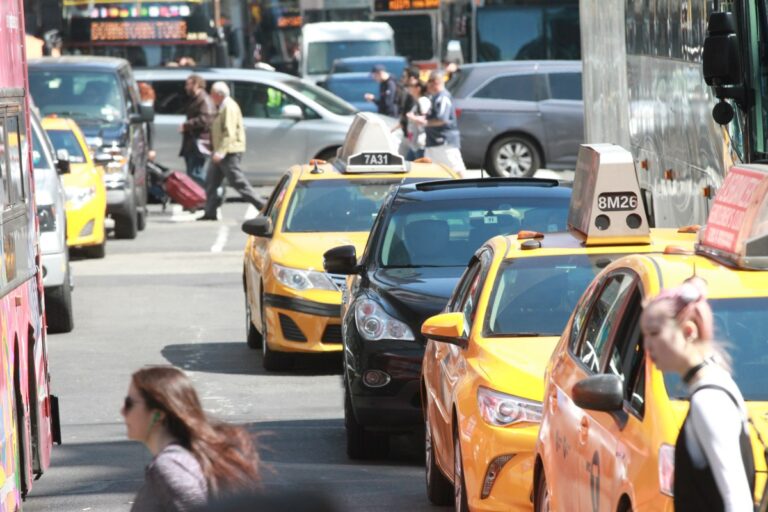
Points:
(370, 147)
(737, 226)
(606, 206)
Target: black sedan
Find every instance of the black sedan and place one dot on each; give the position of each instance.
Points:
(419, 246)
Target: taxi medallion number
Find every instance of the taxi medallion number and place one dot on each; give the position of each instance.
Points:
(617, 201)
(376, 159)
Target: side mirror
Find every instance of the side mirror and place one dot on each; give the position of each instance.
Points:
(63, 166)
(62, 154)
(292, 112)
(446, 327)
(453, 51)
(722, 65)
(258, 226)
(146, 114)
(341, 260)
(601, 392)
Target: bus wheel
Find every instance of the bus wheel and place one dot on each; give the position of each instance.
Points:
(58, 305)
(513, 156)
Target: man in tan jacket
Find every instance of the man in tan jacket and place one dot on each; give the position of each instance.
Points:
(228, 145)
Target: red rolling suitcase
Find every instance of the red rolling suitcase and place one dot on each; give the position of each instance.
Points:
(185, 191)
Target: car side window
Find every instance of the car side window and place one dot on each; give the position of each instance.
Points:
(601, 319)
(276, 199)
(626, 359)
(510, 87)
(170, 98)
(261, 101)
(461, 290)
(580, 313)
(565, 86)
(467, 303)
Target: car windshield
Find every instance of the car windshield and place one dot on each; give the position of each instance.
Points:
(536, 296)
(322, 54)
(743, 326)
(322, 97)
(446, 233)
(394, 68)
(324, 206)
(65, 139)
(78, 94)
(352, 90)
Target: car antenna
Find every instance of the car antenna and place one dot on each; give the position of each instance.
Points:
(316, 169)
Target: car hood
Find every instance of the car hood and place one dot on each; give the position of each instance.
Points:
(516, 365)
(416, 293)
(108, 132)
(305, 250)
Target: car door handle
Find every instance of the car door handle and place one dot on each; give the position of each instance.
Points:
(583, 430)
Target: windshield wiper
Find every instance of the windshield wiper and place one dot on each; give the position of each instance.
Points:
(71, 114)
(527, 334)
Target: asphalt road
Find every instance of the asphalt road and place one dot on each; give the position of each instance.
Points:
(174, 296)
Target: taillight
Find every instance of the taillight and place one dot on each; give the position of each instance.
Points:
(667, 469)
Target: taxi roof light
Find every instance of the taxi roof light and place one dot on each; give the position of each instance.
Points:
(370, 147)
(737, 226)
(606, 204)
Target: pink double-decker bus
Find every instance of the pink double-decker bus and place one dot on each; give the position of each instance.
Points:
(28, 413)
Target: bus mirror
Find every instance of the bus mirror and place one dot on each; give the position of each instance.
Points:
(721, 57)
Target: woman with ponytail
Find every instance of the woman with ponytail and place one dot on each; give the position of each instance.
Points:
(194, 458)
(714, 466)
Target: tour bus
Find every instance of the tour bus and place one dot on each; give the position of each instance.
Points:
(28, 412)
(646, 82)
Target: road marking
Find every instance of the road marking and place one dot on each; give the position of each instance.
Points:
(221, 239)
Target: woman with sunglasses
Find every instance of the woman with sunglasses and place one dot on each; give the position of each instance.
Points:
(194, 458)
(714, 466)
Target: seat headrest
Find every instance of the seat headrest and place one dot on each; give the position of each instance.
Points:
(426, 239)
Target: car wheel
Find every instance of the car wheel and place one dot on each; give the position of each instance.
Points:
(141, 219)
(126, 226)
(58, 306)
(459, 486)
(542, 501)
(361, 444)
(97, 251)
(439, 488)
(513, 156)
(253, 337)
(272, 360)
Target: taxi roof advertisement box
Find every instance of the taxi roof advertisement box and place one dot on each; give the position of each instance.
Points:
(737, 226)
(606, 206)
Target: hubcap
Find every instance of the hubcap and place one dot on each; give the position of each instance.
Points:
(458, 490)
(514, 159)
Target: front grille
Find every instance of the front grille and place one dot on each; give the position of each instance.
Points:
(291, 331)
(332, 334)
(340, 280)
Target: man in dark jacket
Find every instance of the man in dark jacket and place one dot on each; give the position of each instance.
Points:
(196, 130)
(387, 102)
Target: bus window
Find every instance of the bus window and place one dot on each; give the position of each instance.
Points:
(413, 35)
(15, 172)
(4, 178)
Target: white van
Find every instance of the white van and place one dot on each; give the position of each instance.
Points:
(322, 43)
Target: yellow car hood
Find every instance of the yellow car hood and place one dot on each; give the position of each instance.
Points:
(305, 250)
(516, 365)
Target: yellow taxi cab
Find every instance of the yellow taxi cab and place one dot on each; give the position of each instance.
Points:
(610, 417)
(86, 204)
(292, 305)
(486, 355)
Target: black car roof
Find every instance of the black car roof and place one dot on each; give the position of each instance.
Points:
(78, 62)
(482, 187)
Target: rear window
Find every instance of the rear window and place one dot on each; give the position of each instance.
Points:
(511, 87)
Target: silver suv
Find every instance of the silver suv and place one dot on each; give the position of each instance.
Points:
(287, 121)
(518, 116)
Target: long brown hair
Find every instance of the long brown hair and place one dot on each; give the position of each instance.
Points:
(226, 453)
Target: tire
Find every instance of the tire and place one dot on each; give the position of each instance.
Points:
(361, 444)
(439, 488)
(126, 226)
(542, 501)
(459, 486)
(513, 156)
(272, 360)
(141, 219)
(97, 251)
(58, 305)
(253, 337)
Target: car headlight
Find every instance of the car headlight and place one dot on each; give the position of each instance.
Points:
(47, 216)
(300, 279)
(373, 323)
(502, 410)
(79, 196)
